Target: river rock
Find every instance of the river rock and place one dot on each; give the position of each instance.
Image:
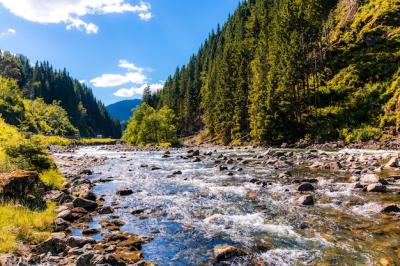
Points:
(88, 194)
(84, 259)
(354, 178)
(306, 200)
(86, 172)
(55, 244)
(369, 179)
(90, 231)
(393, 162)
(85, 204)
(391, 208)
(66, 215)
(107, 259)
(125, 192)
(54, 195)
(226, 252)
(305, 187)
(12, 260)
(78, 241)
(377, 187)
(61, 225)
(106, 210)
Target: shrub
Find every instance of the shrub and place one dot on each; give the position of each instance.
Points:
(19, 152)
(52, 178)
(151, 127)
(364, 133)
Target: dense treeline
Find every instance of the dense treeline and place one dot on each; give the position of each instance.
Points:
(41, 81)
(282, 70)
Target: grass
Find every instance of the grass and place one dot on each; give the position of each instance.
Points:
(61, 141)
(52, 178)
(21, 224)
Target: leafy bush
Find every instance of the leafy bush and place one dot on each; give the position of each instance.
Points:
(48, 118)
(20, 152)
(22, 224)
(52, 178)
(150, 127)
(364, 133)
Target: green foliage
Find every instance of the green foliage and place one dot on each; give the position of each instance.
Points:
(32, 115)
(151, 127)
(18, 152)
(52, 178)
(12, 108)
(49, 118)
(21, 224)
(58, 90)
(364, 133)
(280, 70)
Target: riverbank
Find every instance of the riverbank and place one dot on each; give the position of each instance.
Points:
(218, 205)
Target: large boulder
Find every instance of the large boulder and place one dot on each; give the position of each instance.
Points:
(85, 204)
(19, 184)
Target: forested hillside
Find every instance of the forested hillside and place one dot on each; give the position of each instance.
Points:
(59, 104)
(284, 70)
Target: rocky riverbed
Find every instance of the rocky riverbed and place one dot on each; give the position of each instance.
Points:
(221, 206)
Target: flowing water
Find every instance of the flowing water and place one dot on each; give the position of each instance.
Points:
(187, 215)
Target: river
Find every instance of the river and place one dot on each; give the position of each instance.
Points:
(249, 205)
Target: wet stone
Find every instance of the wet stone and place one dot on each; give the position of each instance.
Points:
(378, 187)
(226, 252)
(305, 187)
(391, 209)
(306, 200)
(125, 192)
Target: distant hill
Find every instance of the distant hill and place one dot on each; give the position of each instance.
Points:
(122, 110)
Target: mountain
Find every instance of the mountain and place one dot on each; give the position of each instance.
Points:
(41, 81)
(122, 110)
(284, 70)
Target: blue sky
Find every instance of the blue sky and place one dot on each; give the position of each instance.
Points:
(115, 46)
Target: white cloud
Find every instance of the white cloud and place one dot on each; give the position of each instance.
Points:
(9, 31)
(71, 11)
(114, 80)
(127, 93)
(125, 64)
(134, 75)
